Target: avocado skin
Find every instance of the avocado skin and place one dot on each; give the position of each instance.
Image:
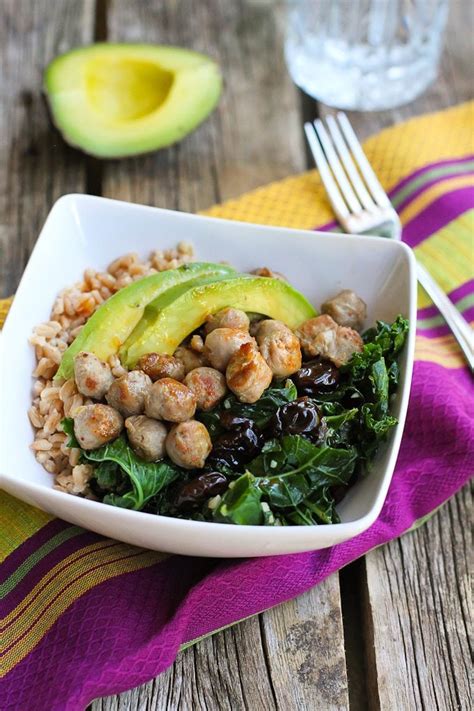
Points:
(193, 87)
(174, 322)
(108, 328)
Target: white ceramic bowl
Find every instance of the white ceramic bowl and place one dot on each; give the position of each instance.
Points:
(83, 231)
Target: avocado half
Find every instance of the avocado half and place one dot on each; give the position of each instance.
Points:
(115, 100)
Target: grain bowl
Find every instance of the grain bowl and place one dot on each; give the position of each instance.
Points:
(98, 230)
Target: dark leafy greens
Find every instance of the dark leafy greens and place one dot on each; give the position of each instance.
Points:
(241, 503)
(290, 478)
(295, 475)
(147, 479)
(127, 480)
(370, 377)
(68, 428)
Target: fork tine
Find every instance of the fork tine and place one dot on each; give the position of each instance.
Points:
(336, 167)
(365, 168)
(349, 165)
(340, 207)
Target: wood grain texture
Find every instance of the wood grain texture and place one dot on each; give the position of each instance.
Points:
(419, 611)
(252, 138)
(224, 672)
(289, 658)
(301, 638)
(36, 166)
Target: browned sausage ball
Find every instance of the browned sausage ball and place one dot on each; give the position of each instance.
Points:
(188, 444)
(158, 365)
(247, 374)
(95, 425)
(127, 393)
(146, 437)
(93, 377)
(280, 347)
(321, 336)
(189, 358)
(222, 343)
(208, 386)
(170, 400)
(347, 309)
(228, 318)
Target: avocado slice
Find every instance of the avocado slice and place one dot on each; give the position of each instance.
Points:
(164, 300)
(114, 100)
(175, 321)
(108, 328)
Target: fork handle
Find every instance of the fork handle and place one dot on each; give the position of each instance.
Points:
(460, 328)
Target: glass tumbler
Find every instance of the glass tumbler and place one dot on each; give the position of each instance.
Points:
(364, 54)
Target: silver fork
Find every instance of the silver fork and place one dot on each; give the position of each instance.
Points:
(362, 206)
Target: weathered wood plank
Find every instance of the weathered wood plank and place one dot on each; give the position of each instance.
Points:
(418, 599)
(253, 137)
(36, 166)
(221, 673)
(288, 658)
(302, 638)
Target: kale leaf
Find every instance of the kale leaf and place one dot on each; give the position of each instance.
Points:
(369, 379)
(108, 475)
(240, 504)
(67, 423)
(294, 475)
(123, 502)
(384, 340)
(319, 507)
(390, 337)
(121, 477)
(336, 430)
(147, 478)
(294, 454)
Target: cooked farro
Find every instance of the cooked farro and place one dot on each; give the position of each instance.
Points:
(53, 401)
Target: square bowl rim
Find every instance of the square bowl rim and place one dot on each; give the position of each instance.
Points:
(351, 528)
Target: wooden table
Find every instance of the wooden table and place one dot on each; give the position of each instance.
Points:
(391, 630)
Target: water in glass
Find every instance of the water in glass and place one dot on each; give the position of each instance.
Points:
(364, 54)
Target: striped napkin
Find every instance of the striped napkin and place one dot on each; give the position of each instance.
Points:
(84, 616)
